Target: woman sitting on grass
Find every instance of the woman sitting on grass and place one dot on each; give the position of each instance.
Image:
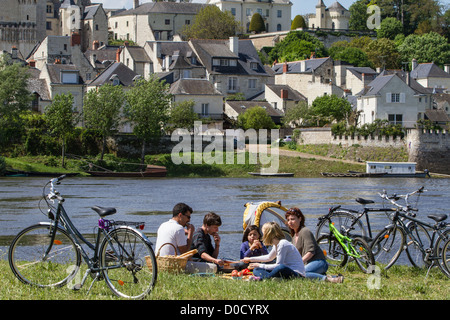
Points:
(289, 262)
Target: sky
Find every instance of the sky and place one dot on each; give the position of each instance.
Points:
(299, 6)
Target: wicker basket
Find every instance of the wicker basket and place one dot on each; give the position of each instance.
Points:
(172, 264)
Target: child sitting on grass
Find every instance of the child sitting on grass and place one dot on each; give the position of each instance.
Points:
(251, 244)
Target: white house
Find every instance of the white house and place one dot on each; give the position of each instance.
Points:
(430, 75)
(394, 97)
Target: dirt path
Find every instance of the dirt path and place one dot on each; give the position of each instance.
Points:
(291, 153)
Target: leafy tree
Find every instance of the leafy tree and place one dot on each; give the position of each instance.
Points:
(352, 55)
(182, 115)
(383, 53)
(211, 23)
(102, 111)
(389, 28)
(255, 118)
(297, 45)
(325, 109)
(426, 48)
(61, 118)
(297, 115)
(147, 108)
(257, 24)
(358, 15)
(298, 22)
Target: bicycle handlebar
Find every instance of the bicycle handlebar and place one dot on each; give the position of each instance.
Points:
(394, 198)
(53, 193)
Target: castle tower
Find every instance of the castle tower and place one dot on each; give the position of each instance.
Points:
(320, 15)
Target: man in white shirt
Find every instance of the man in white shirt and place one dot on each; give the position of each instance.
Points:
(177, 231)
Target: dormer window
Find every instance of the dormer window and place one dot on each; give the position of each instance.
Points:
(115, 80)
(69, 77)
(254, 65)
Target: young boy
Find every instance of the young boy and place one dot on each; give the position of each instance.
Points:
(201, 240)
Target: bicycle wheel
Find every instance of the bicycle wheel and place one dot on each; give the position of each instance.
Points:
(342, 221)
(334, 253)
(29, 263)
(128, 263)
(364, 257)
(390, 243)
(415, 255)
(445, 258)
(439, 249)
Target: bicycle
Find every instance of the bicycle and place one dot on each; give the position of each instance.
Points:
(339, 247)
(48, 254)
(406, 233)
(349, 220)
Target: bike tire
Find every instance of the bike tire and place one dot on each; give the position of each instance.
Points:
(415, 255)
(128, 263)
(28, 248)
(390, 243)
(333, 251)
(439, 249)
(342, 219)
(366, 258)
(445, 258)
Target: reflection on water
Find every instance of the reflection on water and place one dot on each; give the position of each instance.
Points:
(152, 200)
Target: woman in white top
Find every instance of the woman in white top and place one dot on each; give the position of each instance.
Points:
(289, 263)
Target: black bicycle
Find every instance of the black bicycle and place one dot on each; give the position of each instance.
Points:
(49, 254)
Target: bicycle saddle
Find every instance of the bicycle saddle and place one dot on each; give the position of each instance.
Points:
(437, 217)
(103, 212)
(364, 201)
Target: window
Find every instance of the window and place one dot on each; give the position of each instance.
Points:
(233, 11)
(395, 97)
(279, 13)
(187, 22)
(69, 77)
(251, 83)
(395, 118)
(259, 10)
(205, 109)
(254, 65)
(49, 25)
(232, 84)
(167, 21)
(248, 12)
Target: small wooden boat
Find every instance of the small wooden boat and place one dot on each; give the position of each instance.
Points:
(18, 173)
(352, 174)
(272, 174)
(151, 171)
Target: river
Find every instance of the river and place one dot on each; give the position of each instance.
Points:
(152, 200)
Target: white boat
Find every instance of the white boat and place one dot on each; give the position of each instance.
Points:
(394, 169)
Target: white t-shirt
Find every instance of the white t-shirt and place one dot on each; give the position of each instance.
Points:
(170, 232)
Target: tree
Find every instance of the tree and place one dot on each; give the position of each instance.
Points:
(389, 28)
(383, 53)
(352, 55)
(102, 111)
(182, 115)
(298, 22)
(211, 23)
(426, 48)
(325, 109)
(358, 15)
(61, 118)
(297, 45)
(147, 108)
(255, 118)
(297, 115)
(257, 24)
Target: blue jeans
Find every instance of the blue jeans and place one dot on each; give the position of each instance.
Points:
(280, 271)
(316, 269)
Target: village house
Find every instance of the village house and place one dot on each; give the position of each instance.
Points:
(282, 97)
(312, 77)
(275, 13)
(233, 109)
(395, 97)
(152, 21)
(233, 65)
(431, 76)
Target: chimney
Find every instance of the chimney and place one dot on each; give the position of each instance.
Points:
(75, 39)
(118, 54)
(14, 52)
(313, 55)
(32, 63)
(284, 94)
(285, 67)
(413, 64)
(447, 68)
(234, 45)
(408, 78)
(126, 43)
(363, 78)
(135, 4)
(95, 45)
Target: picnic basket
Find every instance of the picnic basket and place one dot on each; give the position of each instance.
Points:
(171, 263)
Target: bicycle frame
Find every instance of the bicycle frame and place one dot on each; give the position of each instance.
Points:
(345, 242)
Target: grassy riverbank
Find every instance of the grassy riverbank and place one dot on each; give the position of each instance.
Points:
(301, 167)
(399, 283)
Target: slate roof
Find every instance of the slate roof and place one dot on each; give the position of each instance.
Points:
(358, 71)
(164, 7)
(36, 85)
(427, 70)
(437, 115)
(295, 66)
(194, 87)
(125, 75)
(293, 95)
(89, 12)
(242, 106)
(138, 53)
(54, 71)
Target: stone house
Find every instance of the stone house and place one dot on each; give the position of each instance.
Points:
(312, 77)
(153, 21)
(429, 75)
(282, 97)
(233, 109)
(233, 65)
(393, 96)
(275, 13)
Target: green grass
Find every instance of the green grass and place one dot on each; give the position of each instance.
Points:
(399, 283)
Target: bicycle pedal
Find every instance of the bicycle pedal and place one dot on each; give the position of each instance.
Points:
(77, 287)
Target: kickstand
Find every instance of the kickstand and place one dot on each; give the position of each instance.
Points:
(78, 286)
(429, 268)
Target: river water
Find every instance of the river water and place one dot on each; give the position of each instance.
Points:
(152, 200)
